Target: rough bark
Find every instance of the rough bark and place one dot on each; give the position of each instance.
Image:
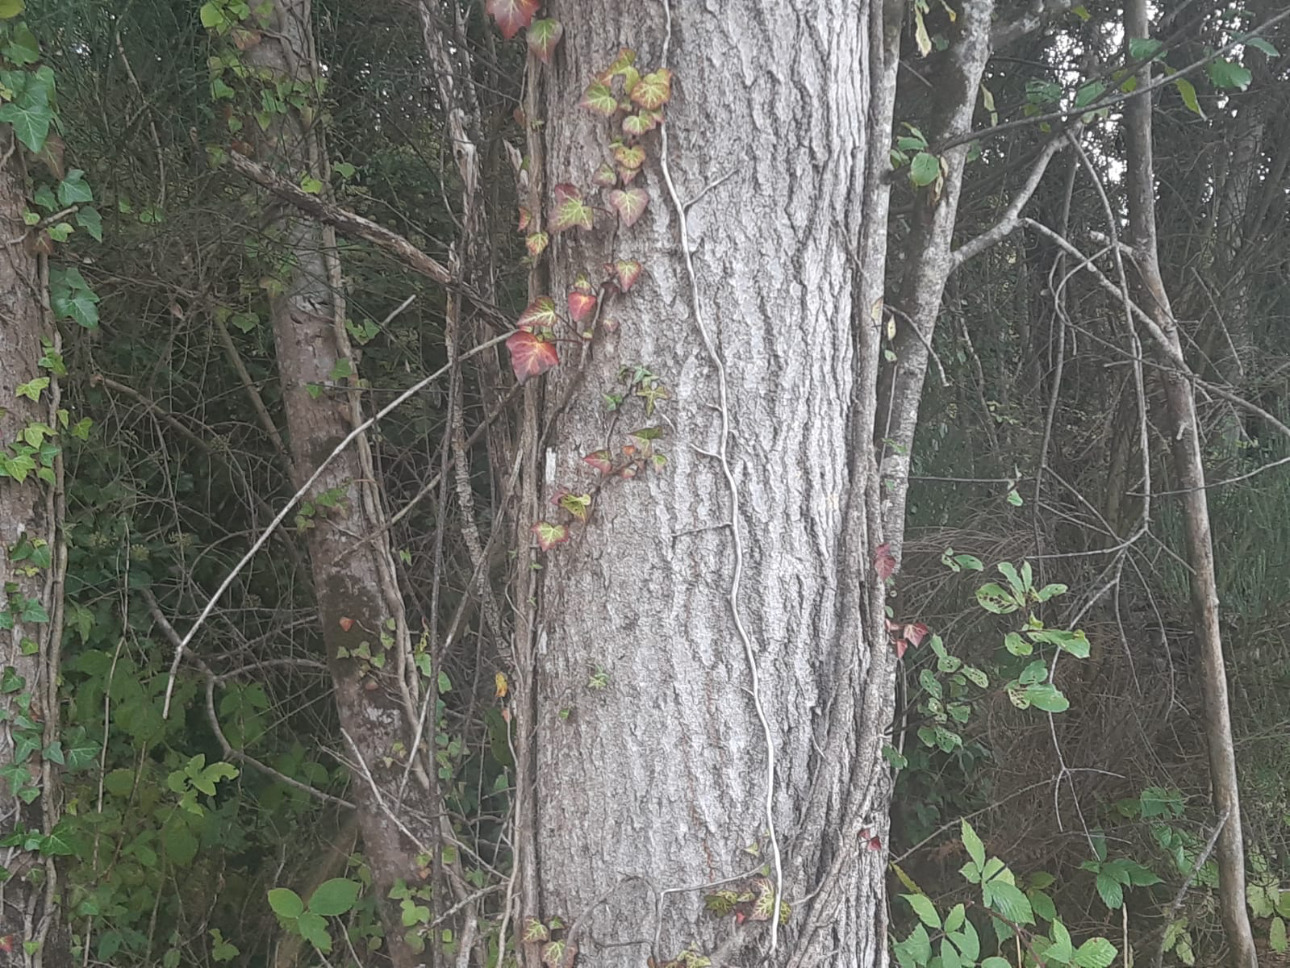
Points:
(350, 558)
(1182, 430)
(657, 782)
(28, 905)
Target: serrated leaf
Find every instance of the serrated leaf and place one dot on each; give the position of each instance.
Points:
(313, 928)
(972, 843)
(542, 37)
(598, 97)
(925, 909)
(1111, 892)
(654, 89)
(629, 203)
(512, 16)
(530, 354)
(549, 535)
(1094, 953)
(1008, 900)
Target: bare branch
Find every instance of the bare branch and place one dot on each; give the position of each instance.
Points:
(1040, 13)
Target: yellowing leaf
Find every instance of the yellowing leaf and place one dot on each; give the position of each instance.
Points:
(501, 685)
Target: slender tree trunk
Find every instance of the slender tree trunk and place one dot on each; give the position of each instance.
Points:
(351, 563)
(1183, 431)
(29, 584)
(711, 613)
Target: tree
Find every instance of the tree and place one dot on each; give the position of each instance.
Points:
(711, 672)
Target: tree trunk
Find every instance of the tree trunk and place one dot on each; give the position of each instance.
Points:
(711, 612)
(29, 566)
(1182, 430)
(352, 567)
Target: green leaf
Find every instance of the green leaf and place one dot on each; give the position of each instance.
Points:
(1145, 48)
(916, 950)
(924, 169)
(1188, 92)
(286, 903)
(1095, 953)
(925, 910)
(1014, 498)
(1050, 591)
(90, 220)
(973, 844)
(1008, 900)
(313, 929)
(212, 16)
(1048, 698)
(1277, 936)
(1111, 892)
(542, 37)
(10, 9)
(74, 190)
(994, 599)
(334, 897)
(30, 120)
(310, 185)
(179, 842)
(22, 48)
(600, 98)
(1089, 93)
(1017, 645)
(1225, 74)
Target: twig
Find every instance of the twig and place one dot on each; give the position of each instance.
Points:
(1182, 891)
(723, 457)
(295, 499)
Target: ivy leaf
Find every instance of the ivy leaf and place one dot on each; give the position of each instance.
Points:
(884, 562)
(512, 15)
(530, 354)
(571, 211)
(604, 176)
(582, 301)
(600, 98)
(542, 37)
(629, 203)
(73, 190)
(654, 89)
(30, 119)
(639, 124)
(549, 535)
(601, 460)
(579, 505)
(535, 931)
(540, 314)
(90, 220)
(1225, 74)
(627, 271)
(630, 157)
(537, 243)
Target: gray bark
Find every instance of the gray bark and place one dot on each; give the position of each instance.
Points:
(351, 563)
(657, 782)
(1183, 431)
(29, 907)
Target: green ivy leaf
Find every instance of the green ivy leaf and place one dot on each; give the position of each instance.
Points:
(90, 220)
(924, 169)
(74, 190)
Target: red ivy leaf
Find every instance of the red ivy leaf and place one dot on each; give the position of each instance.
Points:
(900, 645)
(915, 633)
(537, 243)
(884, 562)
(530, 354)
(629, 203)
(512, 15)
(604, 176)
(627, 271)
(871, 841)
(654, 89)
(345, 624)
(629, 157)
(542, 37)
(549, 535)
(628, 175)
(540, 314)
(582, 306)
(601, 460)
(599, 98)
(526, 217)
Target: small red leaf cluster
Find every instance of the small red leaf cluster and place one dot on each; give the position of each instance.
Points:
(905, 636)
(512, 15)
